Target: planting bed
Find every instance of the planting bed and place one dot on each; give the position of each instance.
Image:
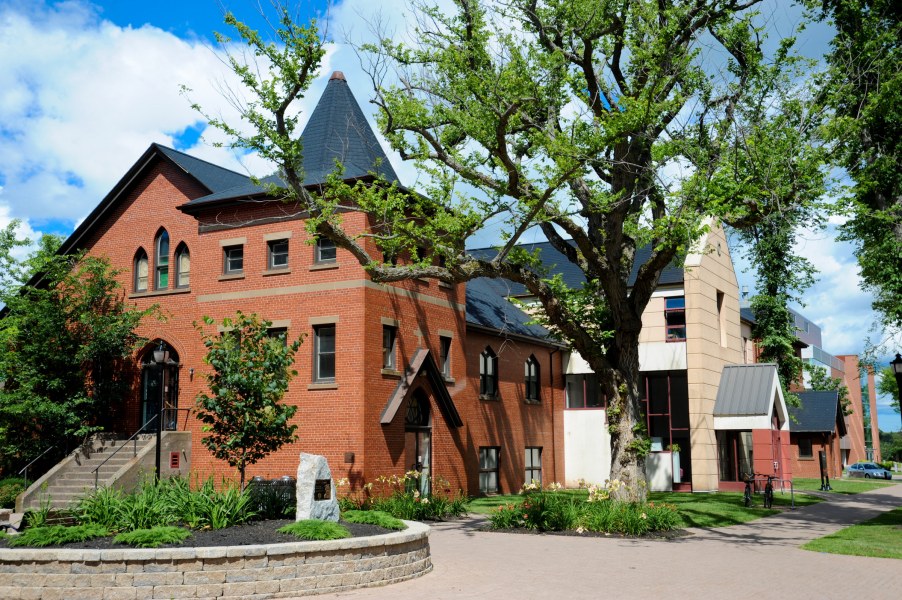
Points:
(238, 566)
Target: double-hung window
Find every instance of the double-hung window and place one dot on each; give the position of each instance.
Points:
(488, 470)
(531, 368)
(488, 373)
(277, 251)
(233, 259)
(325, 251)
(389, 347)
(533, 465)
(445, 343)
(324, 353)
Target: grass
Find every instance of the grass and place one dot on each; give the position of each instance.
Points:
(153, 537)
(373, 517)
(720, 509)
(843, 486)
(312, 529)
(880, 537)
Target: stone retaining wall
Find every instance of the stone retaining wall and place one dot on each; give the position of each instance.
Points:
(265, 571)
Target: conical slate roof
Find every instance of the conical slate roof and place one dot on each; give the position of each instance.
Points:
(338, 131)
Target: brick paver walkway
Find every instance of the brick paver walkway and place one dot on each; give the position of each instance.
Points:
(758, 560)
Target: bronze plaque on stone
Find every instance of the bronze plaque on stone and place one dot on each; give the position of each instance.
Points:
(322, 489)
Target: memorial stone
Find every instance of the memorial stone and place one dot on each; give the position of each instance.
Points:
(316, 490)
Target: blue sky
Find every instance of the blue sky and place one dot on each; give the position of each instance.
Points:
(85, 87)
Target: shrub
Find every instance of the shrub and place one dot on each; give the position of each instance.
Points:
(101, 507)
(10, 487)
(549, 511)
(313, 529)
(373, 517)
(399, 496)
(507, 516)
(56, 535)
(153, 537)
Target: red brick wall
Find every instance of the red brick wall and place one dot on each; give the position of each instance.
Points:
(341, 420)
(810, 467)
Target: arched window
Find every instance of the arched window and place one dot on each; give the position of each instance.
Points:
(532, 379)
(488, 373)
(140, 270)
(161, 261)
(182, 266)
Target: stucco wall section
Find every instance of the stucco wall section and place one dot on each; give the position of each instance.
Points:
(709, 270)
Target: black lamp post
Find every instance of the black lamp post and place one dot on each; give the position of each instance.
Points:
(160, 357)
(897, 371)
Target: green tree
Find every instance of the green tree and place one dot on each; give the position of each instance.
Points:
(864, 90)
(886, 386)
(562, 116)
(250, 373)
(64, 343)
(822, 382)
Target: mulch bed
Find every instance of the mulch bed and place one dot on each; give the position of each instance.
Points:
(252, 533)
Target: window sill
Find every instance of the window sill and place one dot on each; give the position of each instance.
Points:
(675, 340)
(448, 379)
(392, 373)
(324, 385)
(231, 276)
(323, 266)
(445, 285)
(528, 401)
(183, 290)
(280, 271)
(806, 458)
(489, 397)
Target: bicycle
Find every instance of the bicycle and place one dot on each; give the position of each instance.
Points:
(769, 491)
(747, 494)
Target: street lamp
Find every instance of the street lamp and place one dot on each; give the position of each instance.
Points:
(897, 371)
(160, 357)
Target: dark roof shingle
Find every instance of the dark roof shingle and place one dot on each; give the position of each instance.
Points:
(818, 413)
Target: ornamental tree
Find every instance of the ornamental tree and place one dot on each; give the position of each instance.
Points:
(572, 117)
(243, 415)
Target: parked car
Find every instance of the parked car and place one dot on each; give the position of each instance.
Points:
(869, 471)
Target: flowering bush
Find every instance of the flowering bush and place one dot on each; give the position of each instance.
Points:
(399, 496)
(550, 509)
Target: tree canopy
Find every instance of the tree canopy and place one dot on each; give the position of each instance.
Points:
(603, 125)
(251, 368)
(63, 345)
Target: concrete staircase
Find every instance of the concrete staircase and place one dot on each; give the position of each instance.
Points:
(74, 476)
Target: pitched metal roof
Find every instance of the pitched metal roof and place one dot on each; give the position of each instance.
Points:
(746, 314)
(488, 307)
(819, 413)
(555, 262)
(746, 390)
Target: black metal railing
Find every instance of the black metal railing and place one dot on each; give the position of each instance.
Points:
(23, 472)
(170, 423)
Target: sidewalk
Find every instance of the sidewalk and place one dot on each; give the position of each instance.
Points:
(760, 559)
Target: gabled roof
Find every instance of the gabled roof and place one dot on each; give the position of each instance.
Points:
(573, 276)
(746, 314)
(488, 307)
(746, 390)
(336, 131)
(820, 412)
(212, 177)
(422, 363)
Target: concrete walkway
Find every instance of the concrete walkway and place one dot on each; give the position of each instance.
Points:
(758, 560)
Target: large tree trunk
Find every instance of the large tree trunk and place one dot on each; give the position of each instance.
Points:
(626, 423)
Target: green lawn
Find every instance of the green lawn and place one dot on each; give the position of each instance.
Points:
(720, 509)
(880, 537)
(843, 486)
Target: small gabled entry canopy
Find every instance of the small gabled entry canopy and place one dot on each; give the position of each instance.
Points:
(422, 363)
(820, 412)
(748, 398)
